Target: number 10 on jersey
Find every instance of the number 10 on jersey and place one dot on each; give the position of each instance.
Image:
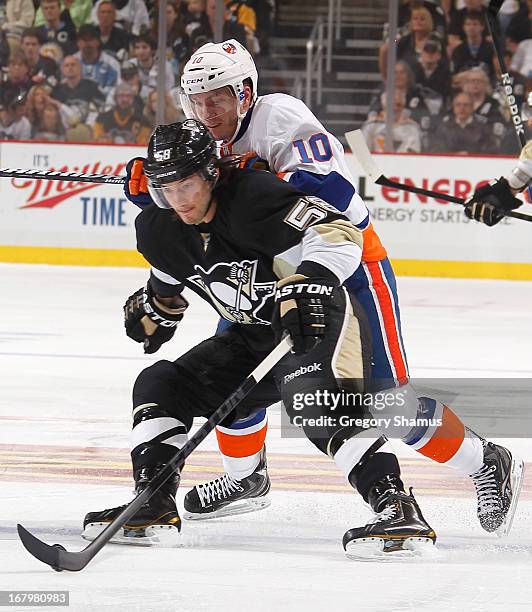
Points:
(318, 148)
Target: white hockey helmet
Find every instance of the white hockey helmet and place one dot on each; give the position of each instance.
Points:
(217, 65)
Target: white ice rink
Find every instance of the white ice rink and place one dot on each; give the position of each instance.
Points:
(66, 371)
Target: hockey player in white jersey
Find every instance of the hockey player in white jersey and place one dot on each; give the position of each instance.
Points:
(278, 131)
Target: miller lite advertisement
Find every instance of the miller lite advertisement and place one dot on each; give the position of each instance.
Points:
(413, 228)
(39, 212)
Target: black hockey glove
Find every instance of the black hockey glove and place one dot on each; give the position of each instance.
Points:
(490, 201)
(148, 320)
(301, 310)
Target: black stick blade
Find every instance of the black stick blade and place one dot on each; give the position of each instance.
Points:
(56, 556)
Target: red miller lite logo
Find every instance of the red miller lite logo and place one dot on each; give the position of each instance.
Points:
(44, 193)
(229, 48)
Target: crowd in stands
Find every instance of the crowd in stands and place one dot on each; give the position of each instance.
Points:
(448, 92)
(79, 71)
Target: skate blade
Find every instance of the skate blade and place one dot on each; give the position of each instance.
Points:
(516, 478)
(239, 507)
(164, 536)
(380, 549)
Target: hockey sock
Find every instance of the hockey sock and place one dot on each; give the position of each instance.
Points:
(364, 461)
(441, 436)
(241, 444)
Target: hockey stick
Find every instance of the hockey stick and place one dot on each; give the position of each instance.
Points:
(55, 175)
(60, 559)
(515, 112)
(358, 145)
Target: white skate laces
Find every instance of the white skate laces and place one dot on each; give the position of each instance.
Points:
(387, 514)
(487, 491)
(218, 489)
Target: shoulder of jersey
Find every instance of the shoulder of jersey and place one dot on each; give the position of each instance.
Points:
(281, 110)
(151, 223)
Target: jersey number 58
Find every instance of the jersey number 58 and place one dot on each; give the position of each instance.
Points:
(306, 212)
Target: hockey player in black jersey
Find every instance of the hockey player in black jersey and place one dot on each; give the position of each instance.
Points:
(273, 267)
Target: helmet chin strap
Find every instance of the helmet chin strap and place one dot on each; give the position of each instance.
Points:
(239, 118)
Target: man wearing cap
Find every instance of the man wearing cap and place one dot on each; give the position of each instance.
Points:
(12, 127)
(129, 74)
(122, 124)
(432, 71)
(95, 63)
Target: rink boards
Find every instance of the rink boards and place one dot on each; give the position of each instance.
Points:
(59, 222)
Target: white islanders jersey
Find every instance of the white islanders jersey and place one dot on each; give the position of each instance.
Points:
(282, 131)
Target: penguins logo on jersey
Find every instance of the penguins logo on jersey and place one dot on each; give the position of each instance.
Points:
(232, 289)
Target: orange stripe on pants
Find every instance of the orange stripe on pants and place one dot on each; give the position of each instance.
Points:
(387, 308)
(446, 440)
(241, 446)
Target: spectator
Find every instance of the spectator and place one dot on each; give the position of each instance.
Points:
(50, 127)
(177, 40)
(122, 125)
(114, 40)
(409, 47)
(265, 13)
(486, 108)
(241, 13)
(415, 106)
(432, 71)
(171, 112)
(508, 12)
(79, 10)
(406, 132)
(231, 28)
(19, 16)
(144, 58)
(13, 124)
(82, 96)
(519, 28)
(435, 9)
(456, 34)
(38, 99)
(95, 63)
(17, 76)
(462, 132)
(194, 16)
(58, 26)
(41, 69)
(522, 58)
(129, 74)
(131, 15)
(475, 51)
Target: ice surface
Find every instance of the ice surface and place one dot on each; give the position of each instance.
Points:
(66, 371)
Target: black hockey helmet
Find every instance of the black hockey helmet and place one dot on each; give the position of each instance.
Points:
(178, 150)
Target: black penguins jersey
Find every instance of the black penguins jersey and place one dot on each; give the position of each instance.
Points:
(263, 230)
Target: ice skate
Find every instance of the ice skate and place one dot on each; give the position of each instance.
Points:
(226, 496)
(397, 530)
(498, 484)
(157, 522)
